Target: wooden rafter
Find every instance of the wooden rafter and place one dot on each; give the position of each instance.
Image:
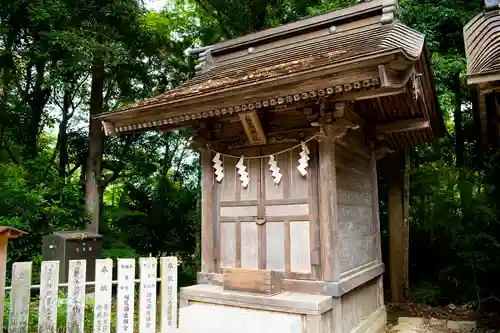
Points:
(402, 126)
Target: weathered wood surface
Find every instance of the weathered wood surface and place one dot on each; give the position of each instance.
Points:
(227, 244)
(207, 230)
(168, 295)
(249, 245)
(253, 232)
(49, 282)
(359, 303)
(328, 208)
(300, 247)
(125, 296)
(275, 233)
(20, 297)
(357, 230)
(253, 281)
(398, 228)
(76, 296)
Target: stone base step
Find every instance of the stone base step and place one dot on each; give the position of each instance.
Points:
(411, 323)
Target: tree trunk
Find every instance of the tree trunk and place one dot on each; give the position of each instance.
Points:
(398, 210)
(94, 159)
(457, 115)
(37, 105)
(62, 137)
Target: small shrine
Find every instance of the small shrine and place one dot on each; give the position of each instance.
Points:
(290, 122)
(482, 48)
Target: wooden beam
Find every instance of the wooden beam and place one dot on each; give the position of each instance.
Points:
(398, 225)
(328, 220)
(207, 232)
(253, 128)
(402, 126)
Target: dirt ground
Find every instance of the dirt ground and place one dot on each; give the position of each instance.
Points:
(486, 322)
(450, 312)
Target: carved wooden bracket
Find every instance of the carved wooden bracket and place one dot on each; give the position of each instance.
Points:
(416, 85)
(253, 128)
(109, 129)
(382, 151)
(389, 78)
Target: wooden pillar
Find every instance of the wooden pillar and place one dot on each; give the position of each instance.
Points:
(327, 188)
(207, 223)
(398, 172)
(375, 209)
(6, 233)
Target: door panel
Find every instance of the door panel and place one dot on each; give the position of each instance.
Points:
(267, 225)
(228, 244)
(275, 240)
(249, 245)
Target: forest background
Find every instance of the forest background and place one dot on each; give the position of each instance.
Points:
(63, 60)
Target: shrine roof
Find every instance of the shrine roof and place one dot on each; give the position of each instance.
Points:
(482, 48)
(360, 53)
(9, 232)
(297, 58)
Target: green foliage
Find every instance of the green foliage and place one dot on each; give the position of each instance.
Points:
(33, 199)
(150, 182)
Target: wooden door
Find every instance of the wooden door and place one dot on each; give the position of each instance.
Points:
(267, 225)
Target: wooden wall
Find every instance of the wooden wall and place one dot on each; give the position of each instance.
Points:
(287, 240)
(361, 302)
(355, 200)
(277, 226)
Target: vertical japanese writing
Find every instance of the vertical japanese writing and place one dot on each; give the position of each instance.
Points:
(125, 296)
(147, 303)
(20, 297)
(49, 282)
(102, 302)
(169, 294)
(76, 296)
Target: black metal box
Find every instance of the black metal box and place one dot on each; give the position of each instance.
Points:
(72, 245)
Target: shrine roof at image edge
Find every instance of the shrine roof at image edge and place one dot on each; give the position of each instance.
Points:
(305, 56)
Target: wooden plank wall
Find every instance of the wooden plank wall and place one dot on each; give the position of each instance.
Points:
(360, 302)
(355, 200)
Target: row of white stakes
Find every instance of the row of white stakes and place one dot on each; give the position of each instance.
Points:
(49, 291)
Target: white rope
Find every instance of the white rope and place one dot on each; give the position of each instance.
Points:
(319, 135)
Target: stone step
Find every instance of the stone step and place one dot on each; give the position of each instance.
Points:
(411, 324)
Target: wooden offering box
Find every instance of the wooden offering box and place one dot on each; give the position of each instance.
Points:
(290, 122)
(253, 281)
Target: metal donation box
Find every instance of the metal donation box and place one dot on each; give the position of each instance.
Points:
(73, 245)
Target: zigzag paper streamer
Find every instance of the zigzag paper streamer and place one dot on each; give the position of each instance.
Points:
(245, 180)
(219, 170)
(275, 169)
(304, 157)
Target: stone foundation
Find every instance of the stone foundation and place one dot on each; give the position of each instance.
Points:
(208, 308)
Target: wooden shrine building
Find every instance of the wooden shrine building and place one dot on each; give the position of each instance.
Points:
(290, 122)
(482, 49)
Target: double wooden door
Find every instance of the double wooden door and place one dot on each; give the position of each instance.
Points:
(267, 225)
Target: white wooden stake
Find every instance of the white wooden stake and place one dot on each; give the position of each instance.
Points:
(49, 292)
(102, 300)
(125, 296)
(168, 295)
(76, 296)
(20, 297)
(147, 302)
